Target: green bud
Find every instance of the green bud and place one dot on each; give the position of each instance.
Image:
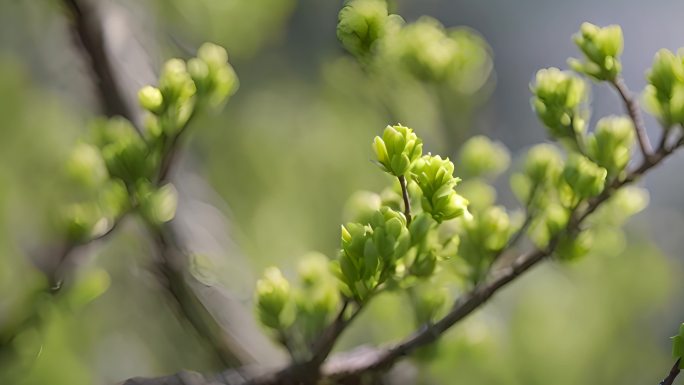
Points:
(86, 166)
(214, 55)
(151, 99)
(557, 99)
(113, 198)
(585, 178)
(435, 179)
(610, 146)
(601, 48)
(482, 157)
(397, 150)
(319, 298)
(543, 164)
(272, 295)
(360, 24)
(664, 95)
(370, 252)
(158, 206)
(313, 269)
(555, 218)
(175, 82)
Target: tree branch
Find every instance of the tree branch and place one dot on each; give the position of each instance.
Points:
(89, 37)
(632, 107)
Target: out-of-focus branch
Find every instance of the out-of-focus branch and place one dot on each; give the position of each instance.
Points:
(172, 260)
(89, 36)
(171, 263)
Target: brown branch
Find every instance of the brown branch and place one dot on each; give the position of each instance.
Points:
(407, 200)
(669, 380)
(632, 107)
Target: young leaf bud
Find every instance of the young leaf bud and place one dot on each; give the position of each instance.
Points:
(151, 99)
(610, 146)
(664, 95)
(434, 176)
(272, 295)
(543, 164)
(585, 178)
(159, 206)
(397, 150)
(557, 99)
(601, 48)
(360, 24)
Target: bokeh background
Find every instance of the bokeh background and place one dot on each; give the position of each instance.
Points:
(265, 181)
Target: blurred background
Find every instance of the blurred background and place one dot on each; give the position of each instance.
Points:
(265, 181)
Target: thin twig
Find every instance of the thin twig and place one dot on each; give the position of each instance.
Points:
(407, 200)
(632, 107)
(669, 380)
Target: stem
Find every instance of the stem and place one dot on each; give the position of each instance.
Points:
(407, 200)
(669, 380)
(632, 107)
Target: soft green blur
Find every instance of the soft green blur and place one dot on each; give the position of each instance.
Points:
(283, 157)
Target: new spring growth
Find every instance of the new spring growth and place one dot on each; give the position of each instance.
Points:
(272, 295)
(601, 48)
(318, 297)
(360, 24)
(369, 252)
(585, 178)
(397, 150)
(435, 179)
(664, 95)
(558, 96)
(611, 144)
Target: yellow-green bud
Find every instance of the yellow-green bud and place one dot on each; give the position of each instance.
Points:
(434, 176)
(611, 144)
(601, 48)
(585, 178)
(175, 82)
(361, 206)
(557, 99)
(664, 95)
(360, 24)
(159, 206)
(272, 295)
(151, 99)
(543, 163)
(397, 150)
